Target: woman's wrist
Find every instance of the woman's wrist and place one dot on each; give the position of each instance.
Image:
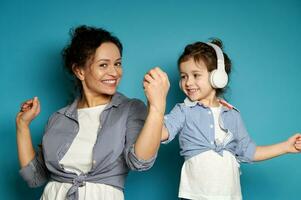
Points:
(159, 110)
(22, 125)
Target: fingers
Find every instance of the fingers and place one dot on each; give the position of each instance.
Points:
(30, 104)
(155, 74)
(151, 75)
(148, 78)
(145, 83)
(298, 146)
(163, 75)
(156, 79)
(297, 138)
(160, 73)
(29, 110)
(297, 141)
(26, 105)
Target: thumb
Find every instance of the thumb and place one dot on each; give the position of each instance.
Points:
(36, 105)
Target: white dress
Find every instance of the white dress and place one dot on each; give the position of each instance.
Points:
(78, 159)
(209, 176)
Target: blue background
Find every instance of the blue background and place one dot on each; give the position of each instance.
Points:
(261, 37)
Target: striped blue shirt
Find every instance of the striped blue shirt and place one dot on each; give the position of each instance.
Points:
(195, 125)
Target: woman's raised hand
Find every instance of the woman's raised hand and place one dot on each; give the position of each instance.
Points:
(156, 86)
(29, 110)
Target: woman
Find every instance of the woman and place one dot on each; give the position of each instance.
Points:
(89, 146)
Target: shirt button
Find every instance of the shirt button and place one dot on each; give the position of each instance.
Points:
(211, 126)
(209, 112)
(211, 142)
(94, 162)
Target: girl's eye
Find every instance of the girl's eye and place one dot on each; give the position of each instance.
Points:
(197, 75)
(183, 76)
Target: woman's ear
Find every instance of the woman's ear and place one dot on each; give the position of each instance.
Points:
(79, 72)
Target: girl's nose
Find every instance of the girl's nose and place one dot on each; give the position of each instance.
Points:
(189, 81)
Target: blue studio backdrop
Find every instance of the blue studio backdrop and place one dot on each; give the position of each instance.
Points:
(261, 37)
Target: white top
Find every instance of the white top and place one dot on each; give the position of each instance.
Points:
(211, 176)
(78, 159)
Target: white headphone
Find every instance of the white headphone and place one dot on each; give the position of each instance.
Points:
(218, 78)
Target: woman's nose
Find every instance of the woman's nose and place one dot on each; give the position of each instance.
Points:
(112, 70)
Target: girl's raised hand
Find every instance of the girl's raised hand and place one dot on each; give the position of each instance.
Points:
(294, 143)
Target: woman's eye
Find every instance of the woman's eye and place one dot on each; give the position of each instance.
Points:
(197, 75)
(103, 65)
(118, 64)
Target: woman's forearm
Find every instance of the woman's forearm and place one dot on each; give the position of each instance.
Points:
(148, 141)
(156, 86)
(25, 148)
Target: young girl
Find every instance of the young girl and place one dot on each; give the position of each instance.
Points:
(212, 135)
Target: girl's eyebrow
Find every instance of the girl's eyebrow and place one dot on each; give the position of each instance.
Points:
(198, 71)
(194, 71)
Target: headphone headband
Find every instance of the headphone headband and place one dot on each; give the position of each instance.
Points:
(219, 56)
(218, 77)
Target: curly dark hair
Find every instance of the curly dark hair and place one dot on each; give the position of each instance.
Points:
(82, 47)
(202, 51)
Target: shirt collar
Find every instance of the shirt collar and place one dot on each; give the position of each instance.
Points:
(225, 104)
(71, 110)
(189, 103)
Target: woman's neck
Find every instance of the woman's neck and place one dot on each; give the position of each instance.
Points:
(87, 101)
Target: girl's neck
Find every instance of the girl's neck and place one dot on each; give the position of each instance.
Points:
(210, 101)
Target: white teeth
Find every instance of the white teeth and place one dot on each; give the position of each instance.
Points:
(109, 81)
(192, 90)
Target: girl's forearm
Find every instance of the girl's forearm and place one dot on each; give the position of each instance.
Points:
(270, 151)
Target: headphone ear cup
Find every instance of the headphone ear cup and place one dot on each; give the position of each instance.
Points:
(211, 78)
(218, 79)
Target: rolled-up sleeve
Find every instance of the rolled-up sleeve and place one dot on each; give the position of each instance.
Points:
(174, 122)
(35, 173)
(246, 147)
(135, 122)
